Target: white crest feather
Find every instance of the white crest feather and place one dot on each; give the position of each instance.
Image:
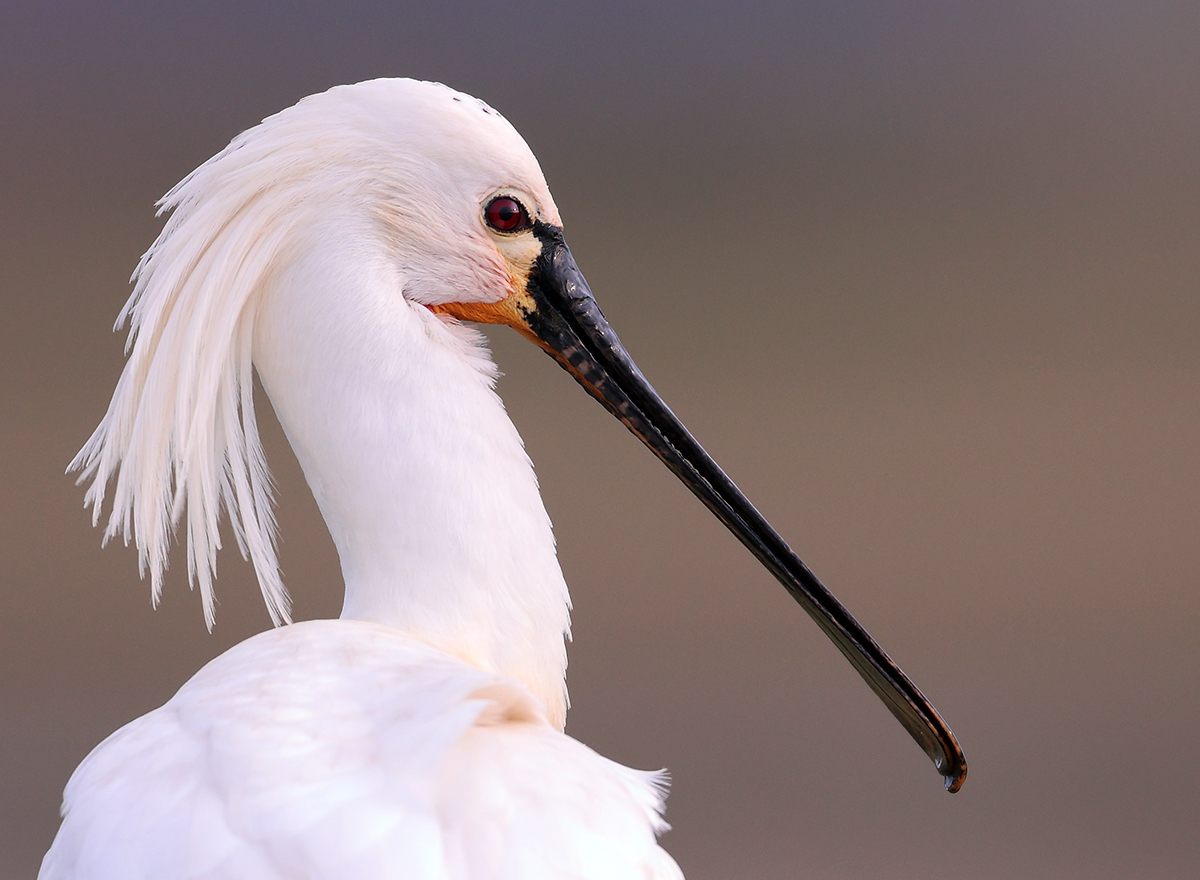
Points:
(180, 434)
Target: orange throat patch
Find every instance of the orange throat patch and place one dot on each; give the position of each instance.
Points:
(511, 310)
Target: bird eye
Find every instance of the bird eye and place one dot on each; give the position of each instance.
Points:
(506, 214)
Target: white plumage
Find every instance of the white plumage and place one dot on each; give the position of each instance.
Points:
(419, 736)
(333, 250)
(342, 749)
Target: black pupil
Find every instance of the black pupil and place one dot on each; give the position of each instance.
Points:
(505, 214)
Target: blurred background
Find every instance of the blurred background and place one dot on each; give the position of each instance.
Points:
(923, 278)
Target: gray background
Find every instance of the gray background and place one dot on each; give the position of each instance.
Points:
(922, 276)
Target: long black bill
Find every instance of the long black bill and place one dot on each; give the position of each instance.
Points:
(564, 319)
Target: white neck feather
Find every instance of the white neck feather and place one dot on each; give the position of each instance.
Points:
(420, 475)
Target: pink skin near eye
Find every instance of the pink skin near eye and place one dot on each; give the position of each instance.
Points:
(506, 214)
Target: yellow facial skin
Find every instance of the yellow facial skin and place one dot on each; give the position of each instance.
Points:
(519, 252)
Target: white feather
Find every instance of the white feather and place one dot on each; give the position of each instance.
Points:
(339, 749)
(420, 736)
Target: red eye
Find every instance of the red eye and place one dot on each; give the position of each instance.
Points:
(506, 214)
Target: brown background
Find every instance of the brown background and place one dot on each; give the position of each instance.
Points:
(922, 276)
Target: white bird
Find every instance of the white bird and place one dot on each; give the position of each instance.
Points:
(336, 248)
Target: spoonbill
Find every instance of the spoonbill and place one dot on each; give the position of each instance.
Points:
(337, 249)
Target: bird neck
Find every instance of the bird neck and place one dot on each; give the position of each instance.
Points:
(420, 475)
